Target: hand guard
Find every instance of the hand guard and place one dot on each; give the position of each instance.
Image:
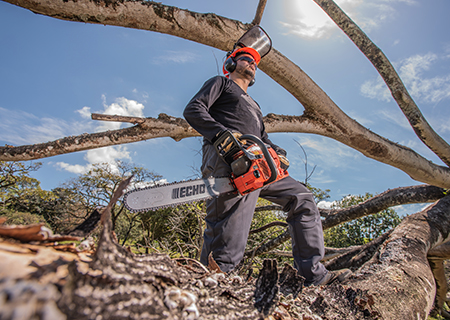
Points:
(284, 162)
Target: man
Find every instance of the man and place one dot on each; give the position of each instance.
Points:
(223, 104)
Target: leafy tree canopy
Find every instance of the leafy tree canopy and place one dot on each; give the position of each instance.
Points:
(361, 230)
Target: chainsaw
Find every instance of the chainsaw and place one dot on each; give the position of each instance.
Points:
(253, 166)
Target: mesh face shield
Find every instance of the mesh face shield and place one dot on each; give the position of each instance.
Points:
(257, 39)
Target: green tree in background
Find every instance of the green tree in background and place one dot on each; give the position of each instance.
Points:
(96, 187)
(177, 231)
(21, 196)
(362, 230)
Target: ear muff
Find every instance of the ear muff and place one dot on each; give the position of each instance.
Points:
(229, 64)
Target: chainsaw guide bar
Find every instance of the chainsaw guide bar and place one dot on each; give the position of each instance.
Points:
(175, 194)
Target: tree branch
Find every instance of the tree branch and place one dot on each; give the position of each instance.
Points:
(150, 128)
(269, 225)
(356, 257)
(385, 200)
(322, 116)
(418, 122)
(116, 118)
(394, 197)
(259, 12)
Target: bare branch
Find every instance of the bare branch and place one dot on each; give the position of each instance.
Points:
(421, 127)
(116, 118)
(259, 12)
(269, 225)
(163, 126)
(269, 208)
(385, 200)
(356, 257)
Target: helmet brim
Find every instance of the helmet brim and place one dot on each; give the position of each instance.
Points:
(249, 51)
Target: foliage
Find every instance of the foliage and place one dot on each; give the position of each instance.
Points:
(362, 230)
(19, 191)
(21, 196)
(14, 172)
(21, 218)
(318, 193)
(96, 187)
(177, 231)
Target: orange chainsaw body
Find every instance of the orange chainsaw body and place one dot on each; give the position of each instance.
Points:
(253, 167)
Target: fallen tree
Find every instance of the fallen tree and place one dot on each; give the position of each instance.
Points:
(395, 283)
(116, 283)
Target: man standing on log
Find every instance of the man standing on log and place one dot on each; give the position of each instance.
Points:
(222, 104)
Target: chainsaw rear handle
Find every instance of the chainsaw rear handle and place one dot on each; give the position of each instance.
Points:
(267, 156)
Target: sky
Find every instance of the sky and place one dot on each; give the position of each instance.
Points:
(54, 74)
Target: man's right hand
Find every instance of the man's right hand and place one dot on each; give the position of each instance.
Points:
(226, 144)
(238, 135)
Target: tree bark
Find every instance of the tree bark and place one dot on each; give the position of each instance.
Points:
(259, 12)
(397, 282)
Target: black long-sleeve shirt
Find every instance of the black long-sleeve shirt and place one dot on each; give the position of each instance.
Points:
(222, 105)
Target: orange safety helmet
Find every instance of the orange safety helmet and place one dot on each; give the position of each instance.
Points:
(230, 63)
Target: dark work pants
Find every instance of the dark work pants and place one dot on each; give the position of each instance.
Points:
(229, 218)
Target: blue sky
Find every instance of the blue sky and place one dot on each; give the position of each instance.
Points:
(55, 73)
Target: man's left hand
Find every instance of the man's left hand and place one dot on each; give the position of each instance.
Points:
(284, 162)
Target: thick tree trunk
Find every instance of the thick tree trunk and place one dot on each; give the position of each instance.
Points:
(399, 279)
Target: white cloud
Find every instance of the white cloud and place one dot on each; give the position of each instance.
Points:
(432, 89)
(413, 71)
(171, 56)
(395, 116)
(408, 209)
(22, 128)
(74, 168)
(85, 112)
(107, 154)
(376, 89)
(308, 20)
(101, 155)
(122, 107)
(318, 150)
(323, 147)
(445, 126)
(326, 204)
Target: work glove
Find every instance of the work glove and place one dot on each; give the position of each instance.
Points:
(284, 162)
(226, 145)
(238, 135)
